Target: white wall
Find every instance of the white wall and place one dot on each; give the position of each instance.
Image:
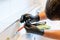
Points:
(10, 11)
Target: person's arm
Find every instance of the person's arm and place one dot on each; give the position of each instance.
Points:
(49, 33)
(55, 34)
(42, 15)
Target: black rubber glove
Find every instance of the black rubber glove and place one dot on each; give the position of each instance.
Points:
(33, 29)
(30, 17)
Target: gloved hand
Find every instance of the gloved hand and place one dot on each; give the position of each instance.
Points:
(30, 17)
(33, 29)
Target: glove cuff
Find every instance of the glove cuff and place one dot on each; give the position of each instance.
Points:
(40, 32)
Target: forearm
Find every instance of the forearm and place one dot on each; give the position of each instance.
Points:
(42, 15)
(49, 33)
(55, 34)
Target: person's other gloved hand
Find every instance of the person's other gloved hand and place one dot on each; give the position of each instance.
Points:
(33, 29)
(30, 17)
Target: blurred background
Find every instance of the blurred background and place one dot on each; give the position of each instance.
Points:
(11, 11)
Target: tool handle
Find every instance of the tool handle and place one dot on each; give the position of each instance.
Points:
(20, 28)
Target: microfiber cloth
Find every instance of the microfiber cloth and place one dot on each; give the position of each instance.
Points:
(43, 26)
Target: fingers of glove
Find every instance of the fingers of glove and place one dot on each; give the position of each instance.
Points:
(31, 29)
(26, 17)
(22, 19)
(28, 28)
(28, 23)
